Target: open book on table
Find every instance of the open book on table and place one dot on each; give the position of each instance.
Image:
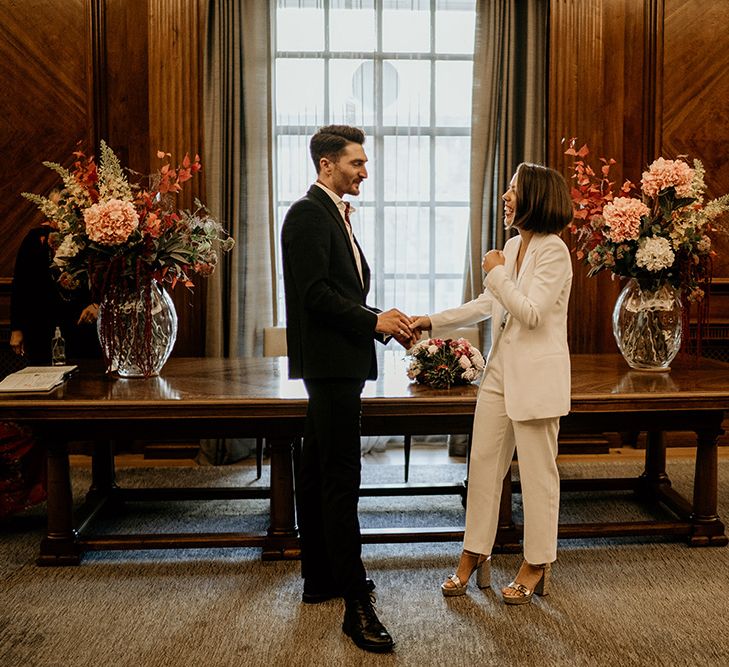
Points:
(36, 378)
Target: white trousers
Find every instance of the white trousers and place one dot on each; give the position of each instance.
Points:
(495, 437)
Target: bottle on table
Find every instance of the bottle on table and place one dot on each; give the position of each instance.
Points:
(58, 349)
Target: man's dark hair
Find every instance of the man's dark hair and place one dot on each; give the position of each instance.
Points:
(330, 141)
(543, 202)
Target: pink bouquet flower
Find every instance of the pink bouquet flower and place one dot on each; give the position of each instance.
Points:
(111, 222)
(622, 218)
(664, 174)
(442, 363)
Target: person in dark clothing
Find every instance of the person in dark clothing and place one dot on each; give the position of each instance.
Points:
(330, 333)
(38, 304)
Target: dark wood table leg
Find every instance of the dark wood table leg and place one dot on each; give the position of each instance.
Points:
(103, 472)
(282, 540)
(102, 496)
(707, 528)
(654, 477)
(60, 545)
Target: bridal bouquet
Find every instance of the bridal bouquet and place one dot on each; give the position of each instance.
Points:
(658, 235)
(108, 231)
(442, 363)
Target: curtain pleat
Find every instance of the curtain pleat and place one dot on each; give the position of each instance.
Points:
(237, 117)
(508, 115)
(241, 294)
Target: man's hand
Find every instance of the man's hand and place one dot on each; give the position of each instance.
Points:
(89, 314)
(16, 342)
(395, 323)
(406, 341)
(493, 258)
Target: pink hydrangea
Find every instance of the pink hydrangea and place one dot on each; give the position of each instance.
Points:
(663, 174)
(110, 222)
(622, 217)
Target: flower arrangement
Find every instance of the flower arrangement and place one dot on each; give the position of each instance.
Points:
(442, 363)
(658, 235)
(125, 240)
(110, 232)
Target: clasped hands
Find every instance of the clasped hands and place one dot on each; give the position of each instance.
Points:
(404, 329)
(407, 330)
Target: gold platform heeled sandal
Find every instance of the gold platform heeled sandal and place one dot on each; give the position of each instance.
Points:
(454, 586)
(516, 593)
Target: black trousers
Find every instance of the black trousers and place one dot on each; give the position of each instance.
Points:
(327, 489)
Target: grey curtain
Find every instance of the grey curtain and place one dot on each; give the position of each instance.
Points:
(237, 117)
(241, 294)
(509, 115)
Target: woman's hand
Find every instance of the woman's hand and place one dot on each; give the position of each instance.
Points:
(89, 314)
(16, 342)
(420, 323)
(492, 259)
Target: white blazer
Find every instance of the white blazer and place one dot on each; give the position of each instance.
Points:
(533, 339)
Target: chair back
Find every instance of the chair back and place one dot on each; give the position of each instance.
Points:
(274, 342)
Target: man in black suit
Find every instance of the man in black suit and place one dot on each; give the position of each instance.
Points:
(330, 333)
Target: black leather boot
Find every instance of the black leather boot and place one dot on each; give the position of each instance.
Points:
(363, 626)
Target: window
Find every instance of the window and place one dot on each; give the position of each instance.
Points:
(401, 70)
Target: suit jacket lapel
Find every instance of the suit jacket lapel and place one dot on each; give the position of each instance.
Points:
(529, 257)
(323, 198)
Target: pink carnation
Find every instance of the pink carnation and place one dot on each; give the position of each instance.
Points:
(622, 217)
(663, 174)
(110, 222)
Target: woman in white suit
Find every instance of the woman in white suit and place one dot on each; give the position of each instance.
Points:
(526, 383)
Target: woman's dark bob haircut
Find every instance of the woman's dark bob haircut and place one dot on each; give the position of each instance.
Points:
(543, 202)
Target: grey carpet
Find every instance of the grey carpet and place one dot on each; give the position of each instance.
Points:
(615, 601)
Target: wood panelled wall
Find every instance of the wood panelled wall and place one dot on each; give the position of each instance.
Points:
(636, 79)
(127, 71)
(632, 78)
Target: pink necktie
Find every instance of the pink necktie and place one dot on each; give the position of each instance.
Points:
(346, 216)
(357, 257)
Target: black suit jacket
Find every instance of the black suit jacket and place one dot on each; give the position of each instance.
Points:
(330, 331)
(38, 304)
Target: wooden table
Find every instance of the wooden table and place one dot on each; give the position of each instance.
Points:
(251, 397)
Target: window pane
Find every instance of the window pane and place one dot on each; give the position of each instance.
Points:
(453, 85)
(454, 29)
(406, 26)
(300, 29)
(448, 293)
(411, 296)
(451, 236)
(406, 92)
(407, 240)
(452, 156)
(299, 91)
(352, 29)
(352, 92)
(294, 167)
(364, 228)
(406, 168)
(281, 215)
